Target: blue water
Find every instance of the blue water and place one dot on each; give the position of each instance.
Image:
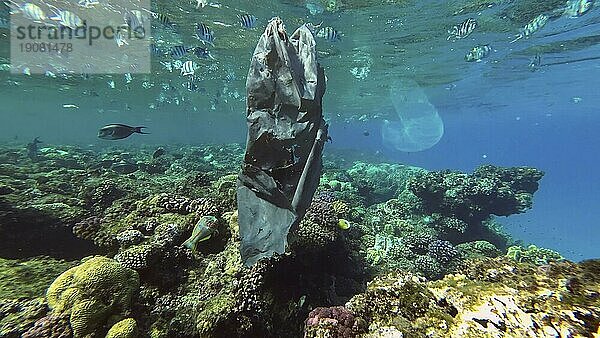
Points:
(495, 112)
(551, 132)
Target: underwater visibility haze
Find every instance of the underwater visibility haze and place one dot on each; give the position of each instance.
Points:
(299, 168)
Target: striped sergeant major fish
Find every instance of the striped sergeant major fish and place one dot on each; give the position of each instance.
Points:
(477, 53)
(163, 19)
(535, 62)
(329, 34)
(204, 34)
(463, 29)
(30, 11)
(134, 20)
(120, 39)
(248, 21)
(154, 50)
(66, 18)
(4, 23)
(88, 3)
(179, 51)
(202, 53)
(577, 8)
(533, 26)
(188, 68)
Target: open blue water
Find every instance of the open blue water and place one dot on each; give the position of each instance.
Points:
(496, 111)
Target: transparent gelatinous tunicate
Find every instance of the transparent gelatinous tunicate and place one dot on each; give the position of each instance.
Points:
(419, 125)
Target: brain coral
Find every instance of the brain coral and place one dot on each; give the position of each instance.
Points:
(127, 328)
(92, 292)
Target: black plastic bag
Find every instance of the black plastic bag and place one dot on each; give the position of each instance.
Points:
(286, 133)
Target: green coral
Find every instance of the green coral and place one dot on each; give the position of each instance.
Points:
(478, 249)
(126, 328)
(533, 255)
(214, 311)
(92, 292)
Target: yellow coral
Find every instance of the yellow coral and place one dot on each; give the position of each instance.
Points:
(127, 328)
(91, 292)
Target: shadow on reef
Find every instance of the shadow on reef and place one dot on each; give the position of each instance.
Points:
(30, 232)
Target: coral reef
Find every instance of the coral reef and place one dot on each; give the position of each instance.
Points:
(489, 298)
(91, 293)
(19, 315)
(532, 254)
(473, 198)
(380, 182)
(334, 321)
(126, 328)
(160, 269)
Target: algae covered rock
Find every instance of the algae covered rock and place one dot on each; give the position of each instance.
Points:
(92, 292)
(473, 198)
(533, 254)
(489, 298)
(383, 181)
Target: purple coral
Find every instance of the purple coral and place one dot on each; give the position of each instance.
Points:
(336, 321)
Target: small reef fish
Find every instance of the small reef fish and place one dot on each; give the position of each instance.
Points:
(30, 11)
(329, 34)
(201, 4)
(32, 148)
(163, 19)
(4, 24)
(134, 19)
(202, 53)
(535, 62)
(119, 39)
(160, 151)
(478, 52)
(123, 167)
(192, 84)
(533, 26)
(204, 34)
(462, 30)
(118, 131)
(576, 8)
(154, 50)
(344, 224)
(67, 18)
(188, 68)
(203, 231)
(179, 51)
(248, 21)
(88, 3)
